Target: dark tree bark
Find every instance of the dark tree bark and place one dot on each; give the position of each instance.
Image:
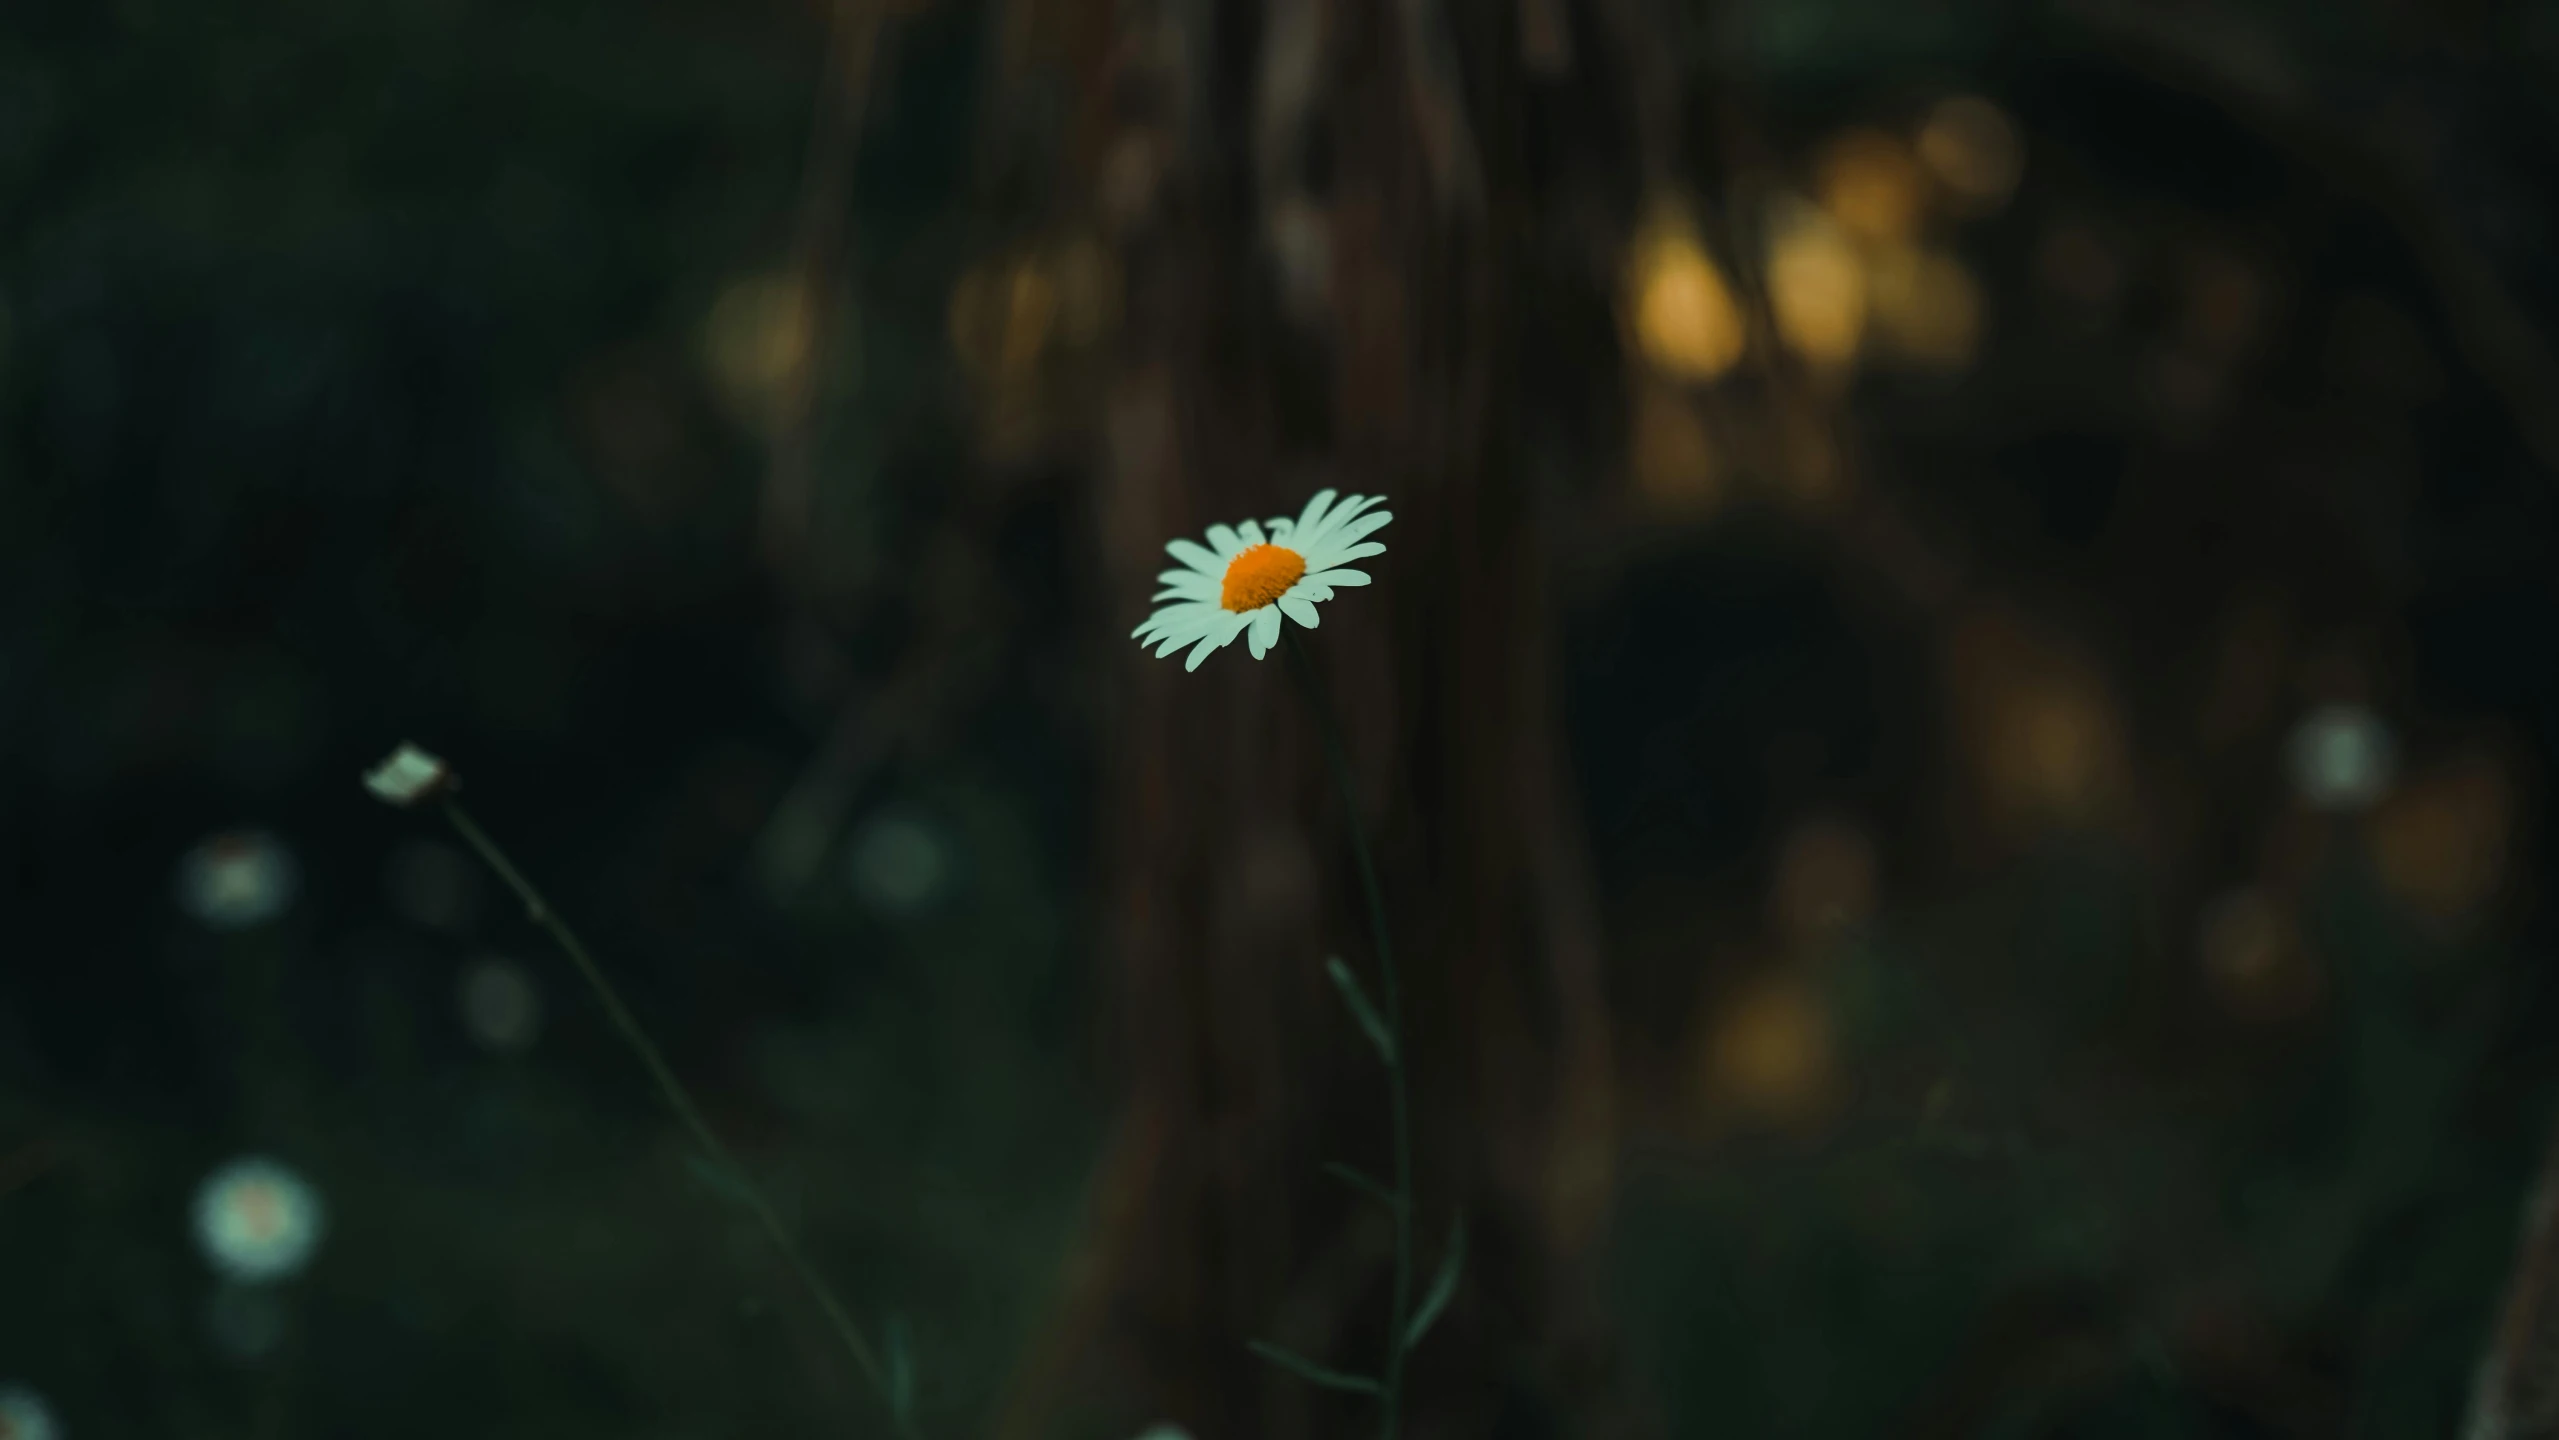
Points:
(1322, 293)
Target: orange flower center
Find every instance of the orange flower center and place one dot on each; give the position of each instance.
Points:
(1259, 576)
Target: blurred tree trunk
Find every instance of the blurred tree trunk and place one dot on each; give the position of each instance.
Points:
(1321, 264)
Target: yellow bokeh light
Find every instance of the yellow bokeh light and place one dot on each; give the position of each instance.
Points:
(756, 340)
(2223, 304)
(1816, 287)
(1030, 312)
(1770, 1051)
(1824, 882)
(1002, 316)
(1871, 186)
(1927, 306)
(1673, 458)
(1686, 320)
(1972, 149)
(2059, 738)
(1088, 291)
(2252, 955)
(2048, 744)
(2440, 841)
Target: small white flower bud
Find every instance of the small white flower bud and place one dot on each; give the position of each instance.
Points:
(408, 777)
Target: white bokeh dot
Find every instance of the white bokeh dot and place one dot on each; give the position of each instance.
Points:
(2341, 758)
(25, 1416)
(898, 865)
(501, 1009)
(258, 1221)
(237, 879)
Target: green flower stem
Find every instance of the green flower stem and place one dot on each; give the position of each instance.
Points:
(1391, 990)
(681, 1102)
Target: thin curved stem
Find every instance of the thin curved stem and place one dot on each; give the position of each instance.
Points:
(1391, 991)
(680, 1100)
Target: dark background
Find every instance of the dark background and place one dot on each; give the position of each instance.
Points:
(711, 427)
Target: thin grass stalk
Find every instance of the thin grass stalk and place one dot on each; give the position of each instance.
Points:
(1391, 990)
(680, 1100)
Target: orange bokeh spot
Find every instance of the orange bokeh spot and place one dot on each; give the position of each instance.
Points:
(1260, 575)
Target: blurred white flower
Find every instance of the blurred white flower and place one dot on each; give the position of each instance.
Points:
(2341, 758)
(238, 879)
(257, 1220)
(1166, 1431)
(500, 1007)
(898, 865)
(409, 776)
(1247, 579)
(25, 1416)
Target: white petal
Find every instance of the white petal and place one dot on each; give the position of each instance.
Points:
(1344, 513)
(1177, 624)
(1185, 585)
(1340, 577)
(1299, 608)
(1251, 530)
(1330, 519)
(1279, 529)
(1225, 542)
(1313, 514)
(1186, 617)
(1193, 554)
(1363, 527)
(1332, 555)
(1172, 615)
(1215, 639)
(1266, 630)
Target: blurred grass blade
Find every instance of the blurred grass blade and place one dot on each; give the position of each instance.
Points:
(1312, 1373)
(1361, 1181)
(723, 1180)
(901, 1371)
(1361, 1010)
(1443, 1285)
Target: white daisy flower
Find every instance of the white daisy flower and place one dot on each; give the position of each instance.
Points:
(1246, 579)
(257, 1220)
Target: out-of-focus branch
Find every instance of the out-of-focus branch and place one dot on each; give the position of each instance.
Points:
(868, 729)
(1649, 56)
(835, 129)
(1439, 107)
(2516, 1396)
(2494, 334)
(1545, 39)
